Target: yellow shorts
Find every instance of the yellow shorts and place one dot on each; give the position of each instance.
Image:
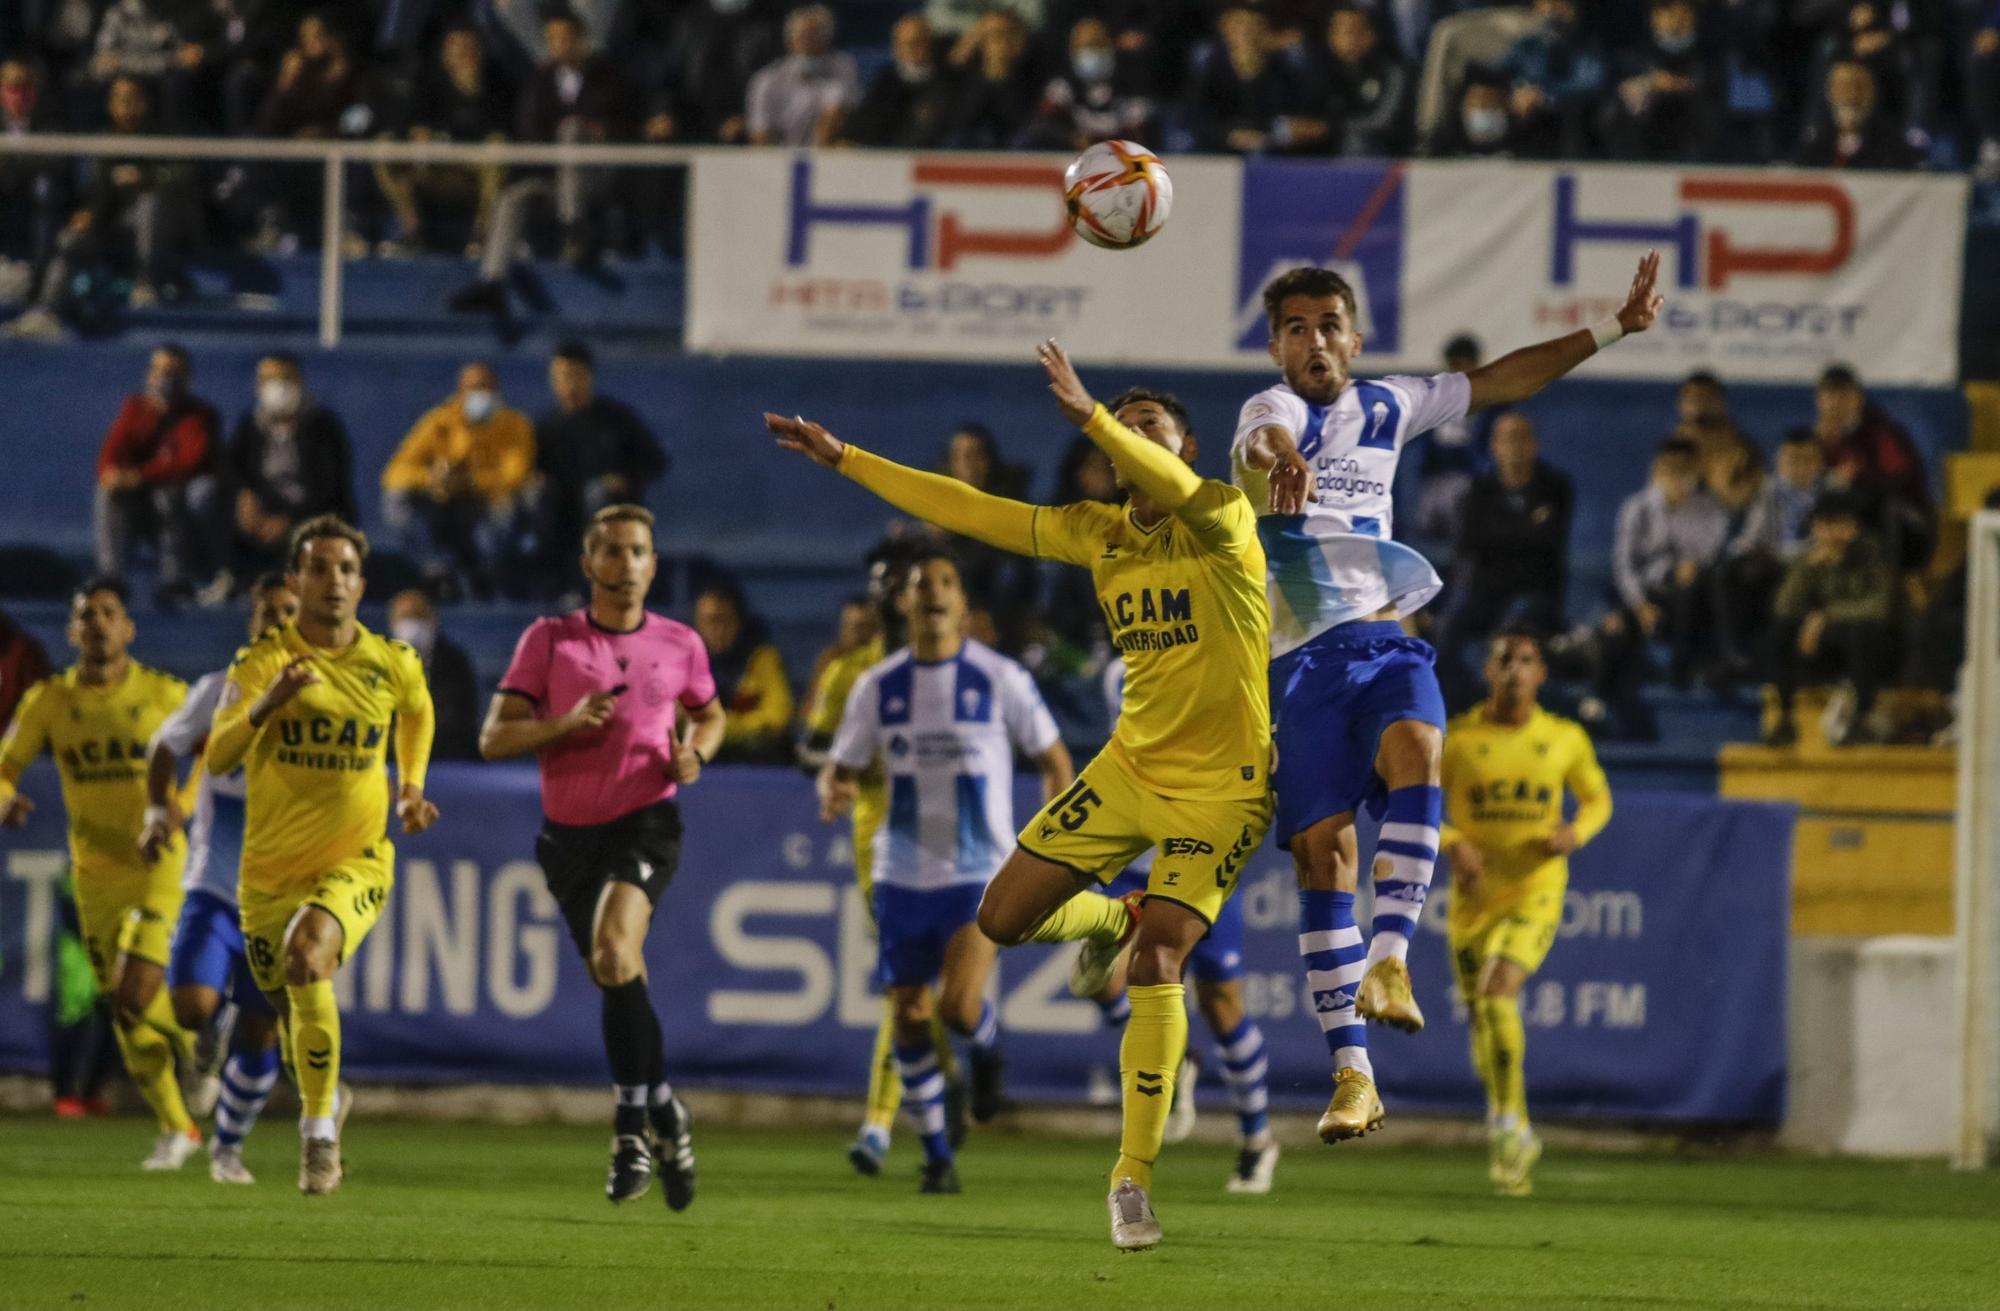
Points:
(353, 892)
(127, 913)
(1106, 819)
(1520, 929)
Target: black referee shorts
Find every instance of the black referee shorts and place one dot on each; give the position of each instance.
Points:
(579, 860)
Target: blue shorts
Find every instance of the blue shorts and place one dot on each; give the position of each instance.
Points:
(1217, 958)
(914, 925)
(1331, 701)
(208, 950)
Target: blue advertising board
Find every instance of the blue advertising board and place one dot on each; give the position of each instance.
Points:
(1662, 1000)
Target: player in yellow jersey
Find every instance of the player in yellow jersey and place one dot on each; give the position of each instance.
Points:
(95, 718)
(1506, 763)
(308, 712)
(1179, 574)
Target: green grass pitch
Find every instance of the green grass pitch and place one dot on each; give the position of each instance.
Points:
(444, 1216)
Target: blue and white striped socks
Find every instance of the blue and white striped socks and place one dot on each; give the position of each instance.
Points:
(247, 1080)
(1330, 942)
(987, 1032)
(1405, 856)
(1243, 1069)
(923, 1096)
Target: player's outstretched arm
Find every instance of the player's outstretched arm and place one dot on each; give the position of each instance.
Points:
(1150, 467)
(946, 502)
(1520, 374)
(511, 728)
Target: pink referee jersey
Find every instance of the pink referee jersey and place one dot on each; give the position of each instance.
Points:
(598, 774)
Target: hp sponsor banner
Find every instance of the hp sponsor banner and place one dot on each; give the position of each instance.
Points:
(962, 257)
(1767, 275)
(1663, 998)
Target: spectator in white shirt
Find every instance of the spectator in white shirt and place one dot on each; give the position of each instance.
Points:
(799, 99)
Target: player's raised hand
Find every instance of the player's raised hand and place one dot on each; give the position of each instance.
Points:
(1291, 481)
(807, 438)
(685, 766)
(416, 813)
(591, 711)
(291, 680)
(14, 811)
(1642, 303)
(1076, 403)
(161, 824)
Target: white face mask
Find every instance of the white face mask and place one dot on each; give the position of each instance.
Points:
(278, 398)
(419, 633)
(913, 73)
(1484, 127)
(729, 7)
(479, 405)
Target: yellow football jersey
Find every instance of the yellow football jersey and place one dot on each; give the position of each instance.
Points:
(827, 704)
(316, 772)
(1503, 790)
(98, 738)
(1185, 603)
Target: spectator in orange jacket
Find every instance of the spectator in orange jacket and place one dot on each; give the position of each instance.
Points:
(452, 492)
(155, 475)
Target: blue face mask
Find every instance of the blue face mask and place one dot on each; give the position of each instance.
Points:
(1093, 63)
(1676, 43)
(479, 405)
(1484, 127)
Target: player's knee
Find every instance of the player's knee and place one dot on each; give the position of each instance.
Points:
(1412, 753)
(1327, 869)
(1500, 984)
(999, 923)
(1155, 963)
(307, 960)
(254, 1033)
(192, 1007)
(1221, 1005)
(615, 964)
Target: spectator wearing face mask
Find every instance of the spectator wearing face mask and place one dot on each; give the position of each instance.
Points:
(156, 475)
(1555, 77)
(1667, 103)
(1848, 131)
(798, 100)
(413, 619)
(451, 492)
(908, 104)
(288, 461)
(1092, 100)
(1870, 455)
(1482, 127)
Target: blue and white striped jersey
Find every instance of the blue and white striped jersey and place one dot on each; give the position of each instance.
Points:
(946, 733)
(1336, 563)
(215, 837)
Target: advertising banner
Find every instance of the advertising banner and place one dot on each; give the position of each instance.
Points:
(1663, 999)
(1768, 275)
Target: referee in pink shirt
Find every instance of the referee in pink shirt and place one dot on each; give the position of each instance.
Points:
(595, 695)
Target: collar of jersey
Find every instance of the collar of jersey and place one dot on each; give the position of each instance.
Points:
(1533, 715)
(297, 641)
(1132, 517)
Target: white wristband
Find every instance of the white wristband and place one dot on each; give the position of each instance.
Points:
(155, 815)
(1606, 331)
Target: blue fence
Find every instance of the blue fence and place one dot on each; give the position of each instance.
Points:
(1663, 999)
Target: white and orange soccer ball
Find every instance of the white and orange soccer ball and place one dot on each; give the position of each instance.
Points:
(1118, 194)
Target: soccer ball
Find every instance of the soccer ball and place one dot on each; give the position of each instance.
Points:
(1118, 194)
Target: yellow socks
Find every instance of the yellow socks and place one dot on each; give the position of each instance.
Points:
(1148, 1059)
(885, 1083)
(315, 1025)
(148, 1048)
(1086, 915)
(1503, 1045)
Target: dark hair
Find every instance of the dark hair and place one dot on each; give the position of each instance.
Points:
(925, 554)
(1165, 400)
(1702, 377)
(322, 526)
(1307, 280)
(96, 583)
(558, 11)
(1520, 633)
(269, 581)
(1676, 446)
(1840, 375)
(1464, 344)
(1798, 437)
(1482, 75)
(575, 352)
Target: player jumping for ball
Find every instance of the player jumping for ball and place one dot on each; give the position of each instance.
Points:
(594, 695)
(1359, 715)
(1179, 574)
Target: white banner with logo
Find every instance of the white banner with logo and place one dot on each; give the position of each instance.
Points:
(1768, 274)
(947, 257)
